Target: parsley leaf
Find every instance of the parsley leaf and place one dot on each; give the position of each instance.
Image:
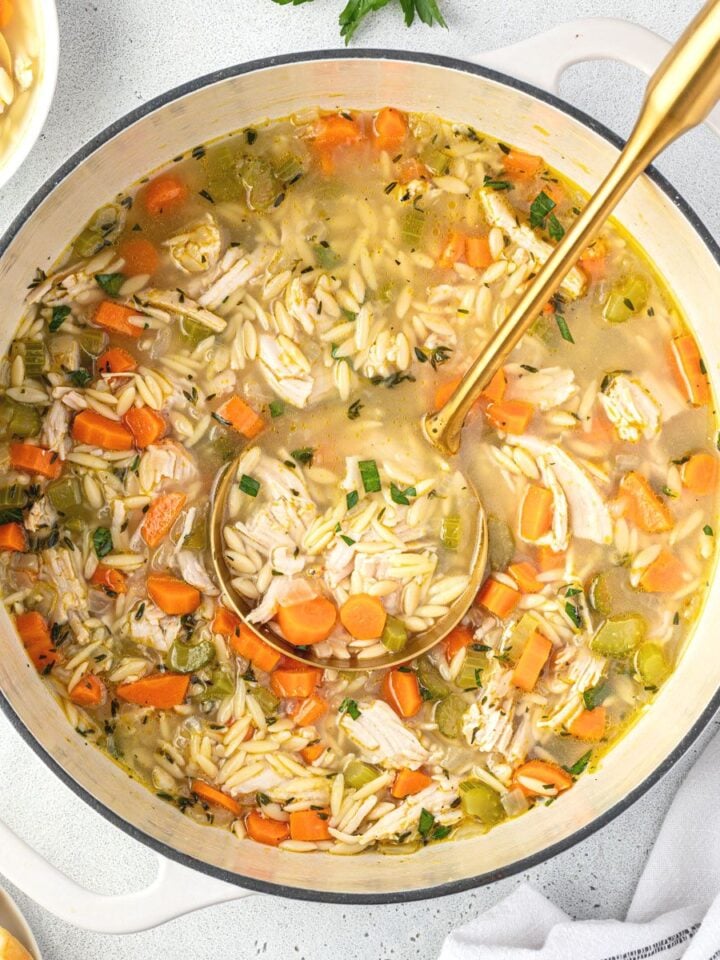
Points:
(59, 316)
(579, 766)
(303, 455)
(350, 707)
(401, 496)
(541, 206)
(425, 824)
(102, 541)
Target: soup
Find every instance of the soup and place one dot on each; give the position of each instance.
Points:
(304, 291)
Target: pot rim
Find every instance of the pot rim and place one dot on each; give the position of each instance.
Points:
(279, 889)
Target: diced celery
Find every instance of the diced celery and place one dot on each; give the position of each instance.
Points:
(66, 496)
(600, 594)
(448, 716)
(267, 700)
(219, 450)
(192, 333)
(289, 169)
(430, 679)
(223, 183)
(470, 675)
(325, 256)
(188, 657)
(259, 180)
(626, 299)
(652, 664)
(33, 354)
(101, 230)
(13, 496)
(221, 686)
(435, 159)
(88, 242)
(521, 633)
(413, 225)
(479, 800)
(501, 543)
(394, 635)
(18, 419)
(93, 342)
(197, 538)
(618, 637)
(450, 532)
(358, 773)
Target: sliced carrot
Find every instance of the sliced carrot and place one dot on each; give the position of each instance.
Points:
(536, 512)
(310, 621)
(109, 579)
(146, 425)
(164, 195)
(264, 830)
(89, 691)
(642, 506)
(533, 658)
(246, 643)
(173, 595)
(216, 798)
(99, 431)
(336, 130)
(225, 622)
(309, 710)
(700, 474)
(309, 825)
(390, 128)
(160, 517)
(495, 390)
(477, 252)
(444, 391)
(498, 598)
(363, 616)
(6, 13)
(549, 559)
(13, 538)
(242, 417)
(298, 682)
(313, 750)
(116, 360)
(140, 256)
(689, 370)
(510, 416)
(37, 639)
(590, 724)
(548, 775)
(458, 638)
(665, 574)
(522, 166)
(412, 169)
(161, 690)
(453, 250)
(401, 690)
(32, 459)
(408, 782)
(115, 317)
(525, 575)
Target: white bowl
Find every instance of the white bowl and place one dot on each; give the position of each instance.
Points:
(32, 114)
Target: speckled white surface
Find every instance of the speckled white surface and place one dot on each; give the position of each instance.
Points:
(115, 55)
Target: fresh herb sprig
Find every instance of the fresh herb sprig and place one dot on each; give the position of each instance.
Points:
(355, 11)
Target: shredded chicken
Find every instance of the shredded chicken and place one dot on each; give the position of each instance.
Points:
(198, 248)
(631, 408)
(382, 737)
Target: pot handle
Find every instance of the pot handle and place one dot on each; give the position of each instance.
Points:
(542, 59)
(176, 890)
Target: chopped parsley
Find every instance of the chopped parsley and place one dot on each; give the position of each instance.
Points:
(493, 184)
(277, 408)
(354, 409)
(708, 530)
(594, 696)
(102, 541)
(59, 316)
(401, 496)
(579, 766)
(370, 476)
(351, 499)
(572, 611)
(540, 209)
(249, 485)
(303, 455)
(80, 377)
(350, 707)
(426, 822)
(110, 282)
(563, 328)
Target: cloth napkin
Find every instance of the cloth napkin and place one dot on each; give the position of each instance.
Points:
(675, 911)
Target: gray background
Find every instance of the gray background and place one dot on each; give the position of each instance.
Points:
(116, 54)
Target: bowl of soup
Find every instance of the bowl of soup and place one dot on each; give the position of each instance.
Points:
(291, 264)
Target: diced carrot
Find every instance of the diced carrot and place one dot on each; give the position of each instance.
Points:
(110, 579)
(297, 682)
(115, 317)
(458, 638)
(313, 750)
(665, 574)
(548, 775)
(549, 559)
(533, 658)
(246, 643)
(594, 260)
(555, 190)
(307, 622)
(522, 166)
(99, 431)
(363, 616)
(477, 252)
(590, 724)
(32, 459)
(309, 825)
(453, 250)
(161, 690)
(510, 416)
(225, 622)
(145, 424)
(89, 691)
(160, 517)
(390, 128)
(601, 429)
(173, 595)
(498, 598)
(140, 256)
(13, 538)
(408, 782)
(242, 417)
(536, 512)
(700, 474)
(548, 308)
(165, 194)
(264, 830)
(6, 13)
(401, 690)
(412, 169)
(336, 130)
(37, 639)
(525, 575)
(116, 360)
(689, 370)
(309, 710)
(216, 798)
(642, 506)
(495, 390)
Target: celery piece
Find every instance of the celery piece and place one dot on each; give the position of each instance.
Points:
(259, 181)
(619, 636)
(521, 633)
(479, 800)
(448, 716)
(600, 594)
(18, 419)
(325, 256)
(66, 496)
(470, 675)
(267, 700)
(13, 496)
(450, 532)
(413, 225)
(192, 333)
(394, 635)
(33, 354)
(358, 773)
(501, 543)
(289, 169)
(436, 160)
(219, 450)
(223, 183)
(652, 664)
(188, 657)
(626, 299)
(430, 680)
(88, 242)
(197, 538)
(222, 685)
(102, 230)
(93, 342)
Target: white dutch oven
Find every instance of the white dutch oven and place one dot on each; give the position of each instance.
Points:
(517, 113)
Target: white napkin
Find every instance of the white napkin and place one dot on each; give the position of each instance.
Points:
(675, 911)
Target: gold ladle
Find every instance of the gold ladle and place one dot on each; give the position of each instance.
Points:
(679, 96)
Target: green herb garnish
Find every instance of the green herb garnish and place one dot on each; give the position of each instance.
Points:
(249, 485)
(110, 282)
(102, 541)
(80, 378)
(351, 499)
(370, 476)
(350, 707)
(277, 408)
(401, 496)
(303, 455)
(59, 316)
(577, 768)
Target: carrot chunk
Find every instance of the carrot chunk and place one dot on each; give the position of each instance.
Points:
(6, 13)
(313, 750)
(590, 724)
(510, 416)
(161, 690)
(453, 250)
(390, 128)
(173, 595)
(309, 710)
(498, 598)
(37, 639)
(160, 517)
(689, 370)
(495, 390)
(665, 574)
(32, 459)
(216, 798)
(309, 825)
(525, 575)
(538, 778)
(532, 659)
(89, 691)
(335, 130)
(307, 622)
(522, 166)
(264, 830)
(13, 538)
(298, 682)
(145, 424)
(700, 474)
(412, 168)
(225, 622)
(363, 616)
(98, 431)
(246, 643)
(109, 579)
(444, 391)
(140, 257)
(116, 360)
(408, 782)
(536, 512)
(242, 417)
(549, 559)
(458, 638)
(642, 506)
(115, 317)
(477, 252)
(402, 691)
(164, 195)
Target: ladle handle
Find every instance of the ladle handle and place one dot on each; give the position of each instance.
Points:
(679, 96)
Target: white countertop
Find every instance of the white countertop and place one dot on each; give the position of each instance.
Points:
(116, 54)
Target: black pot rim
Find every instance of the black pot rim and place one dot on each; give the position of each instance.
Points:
(278, 889)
